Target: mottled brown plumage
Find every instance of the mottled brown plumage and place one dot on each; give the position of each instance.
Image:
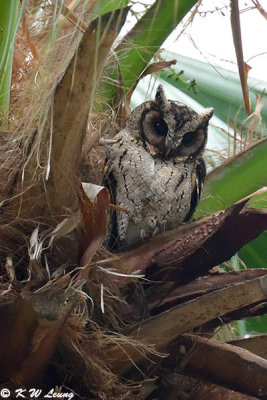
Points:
(156, 170)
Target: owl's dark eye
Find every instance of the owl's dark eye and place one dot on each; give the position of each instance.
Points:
(188, 138)
(160, 127)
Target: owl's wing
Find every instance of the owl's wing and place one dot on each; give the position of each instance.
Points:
(111, 241)
(197, 184)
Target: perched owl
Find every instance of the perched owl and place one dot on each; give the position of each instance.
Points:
(155, 169)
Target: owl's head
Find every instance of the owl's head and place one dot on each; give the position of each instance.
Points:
(170, 129)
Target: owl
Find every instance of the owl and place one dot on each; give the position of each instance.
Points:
(155, 169)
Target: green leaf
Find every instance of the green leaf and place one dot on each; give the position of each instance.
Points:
(142, 42)
(104, 7)
(240, 177)
(254, 254)
(8, 26)
(215, 86)
(254, 325)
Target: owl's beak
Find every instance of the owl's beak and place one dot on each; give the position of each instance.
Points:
(169, 144)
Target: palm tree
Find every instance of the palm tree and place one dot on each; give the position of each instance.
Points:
(74, 317)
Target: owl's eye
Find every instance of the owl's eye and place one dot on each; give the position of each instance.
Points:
(160, 127)
(188, 138)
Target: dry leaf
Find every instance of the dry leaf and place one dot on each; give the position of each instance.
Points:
(94, 205)
(30, 328)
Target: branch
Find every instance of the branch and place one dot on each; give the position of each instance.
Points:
(163, 296)
(220, 363)
(192, 249)
(242, 66)
(164, 328)
(73, 100)
(255, 344)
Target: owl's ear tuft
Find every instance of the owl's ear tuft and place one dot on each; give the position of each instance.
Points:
(205, 116)
(160, 97)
